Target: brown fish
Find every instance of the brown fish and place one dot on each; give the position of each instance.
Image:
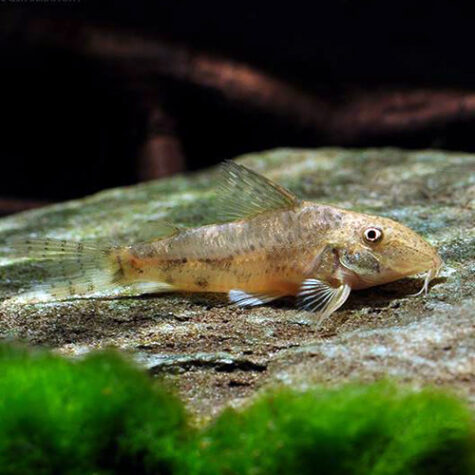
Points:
(275, 245)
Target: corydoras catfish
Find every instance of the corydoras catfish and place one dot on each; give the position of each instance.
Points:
(273, 245)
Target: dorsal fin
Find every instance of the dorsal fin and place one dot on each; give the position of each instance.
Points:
(244, 193)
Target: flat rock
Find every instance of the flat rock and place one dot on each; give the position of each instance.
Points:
(218, 355)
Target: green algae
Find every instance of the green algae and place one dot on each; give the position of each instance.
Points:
(102, 415)
(99, 415)
(352, 430)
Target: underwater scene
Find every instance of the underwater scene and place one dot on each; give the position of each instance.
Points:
(237, 238)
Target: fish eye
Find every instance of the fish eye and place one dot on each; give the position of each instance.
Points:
(372, 235)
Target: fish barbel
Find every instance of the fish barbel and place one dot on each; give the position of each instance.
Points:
(274, 245)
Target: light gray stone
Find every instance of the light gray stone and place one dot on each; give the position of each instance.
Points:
(218, 355)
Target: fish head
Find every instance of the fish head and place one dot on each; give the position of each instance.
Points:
(380, 250)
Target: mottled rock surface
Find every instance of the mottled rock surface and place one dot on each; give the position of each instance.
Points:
(219, 355)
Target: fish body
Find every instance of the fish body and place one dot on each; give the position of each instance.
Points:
(273, 252)
(267, 253)
(275, 245)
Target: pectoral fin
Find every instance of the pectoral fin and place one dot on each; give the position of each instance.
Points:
(319, 296)
(244, 193)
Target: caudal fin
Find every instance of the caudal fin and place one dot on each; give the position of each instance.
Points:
(71, 269)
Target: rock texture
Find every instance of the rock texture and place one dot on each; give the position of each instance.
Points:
(218, 355)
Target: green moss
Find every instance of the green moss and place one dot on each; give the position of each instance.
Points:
(359, 430)
(94, 416)
(102, 415)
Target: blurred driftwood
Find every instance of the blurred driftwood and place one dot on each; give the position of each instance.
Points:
(385, 112)
(13, 205)
(161, 154)
(352, 116)
(357, 114)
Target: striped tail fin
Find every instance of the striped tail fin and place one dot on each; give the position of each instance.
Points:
(71, 269)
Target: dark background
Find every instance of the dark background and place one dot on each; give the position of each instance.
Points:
(95, 95)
